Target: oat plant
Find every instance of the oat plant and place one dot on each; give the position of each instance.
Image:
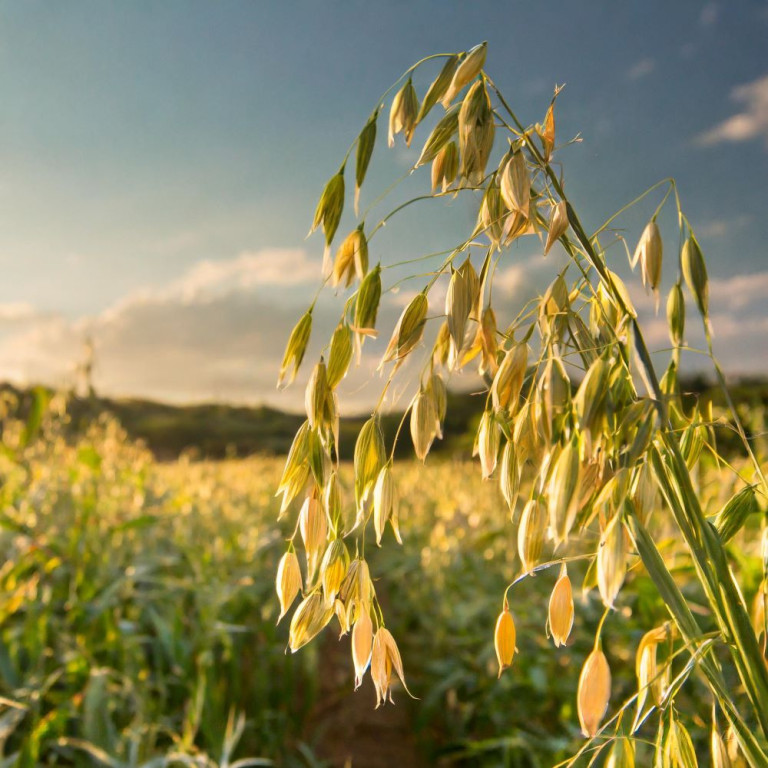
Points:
(597, 453)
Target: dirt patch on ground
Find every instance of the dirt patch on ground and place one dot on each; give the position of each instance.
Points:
(349, 732)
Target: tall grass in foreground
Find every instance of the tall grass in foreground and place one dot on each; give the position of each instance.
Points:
(597, 470)
(136, 628)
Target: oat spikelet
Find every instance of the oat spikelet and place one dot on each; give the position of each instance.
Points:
(362, 644)
(649, 255)
(594, 692)
(558, 225)
(612, 561)
(310, 618)
(295, 349)
(384, 658)
(402, 116)
(530, 534)
(695, 273)
(504, 638)
(561, 609)
(314, 532)
(467, 71)
(288, 581)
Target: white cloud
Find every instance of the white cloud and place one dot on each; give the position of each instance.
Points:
(751, 123)
(218, 331)
(722, 227)
(641, 69)
(741, 291)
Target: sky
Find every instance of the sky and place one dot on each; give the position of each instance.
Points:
(161, 163)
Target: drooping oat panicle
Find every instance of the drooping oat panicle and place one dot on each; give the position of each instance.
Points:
(296, 347)
(470, 67)
(695, 274)
(365, 144)
(402, 116)
(560, 614)
(409, 329)
(288, 583)
(441, 135)
(310, 618)
(530, 534)
(351, 258)
(676, 315)
(612, 560)
(558, 224)
(594, 692)
(362, 645)
(439, 86)
(504, 638)
(385, 657)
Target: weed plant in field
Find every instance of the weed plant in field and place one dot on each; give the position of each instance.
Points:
(599, 462)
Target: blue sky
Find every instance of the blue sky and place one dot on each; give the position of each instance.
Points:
(161, 164)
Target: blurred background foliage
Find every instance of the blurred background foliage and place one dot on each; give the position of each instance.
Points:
(138, 614)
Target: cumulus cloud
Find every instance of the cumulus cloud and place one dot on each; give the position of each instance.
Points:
(218, 331)
(750, 123)
(215, 332)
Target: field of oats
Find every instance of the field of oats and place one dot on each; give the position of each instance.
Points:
(138, 618)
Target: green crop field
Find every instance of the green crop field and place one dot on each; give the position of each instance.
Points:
(138, 618)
